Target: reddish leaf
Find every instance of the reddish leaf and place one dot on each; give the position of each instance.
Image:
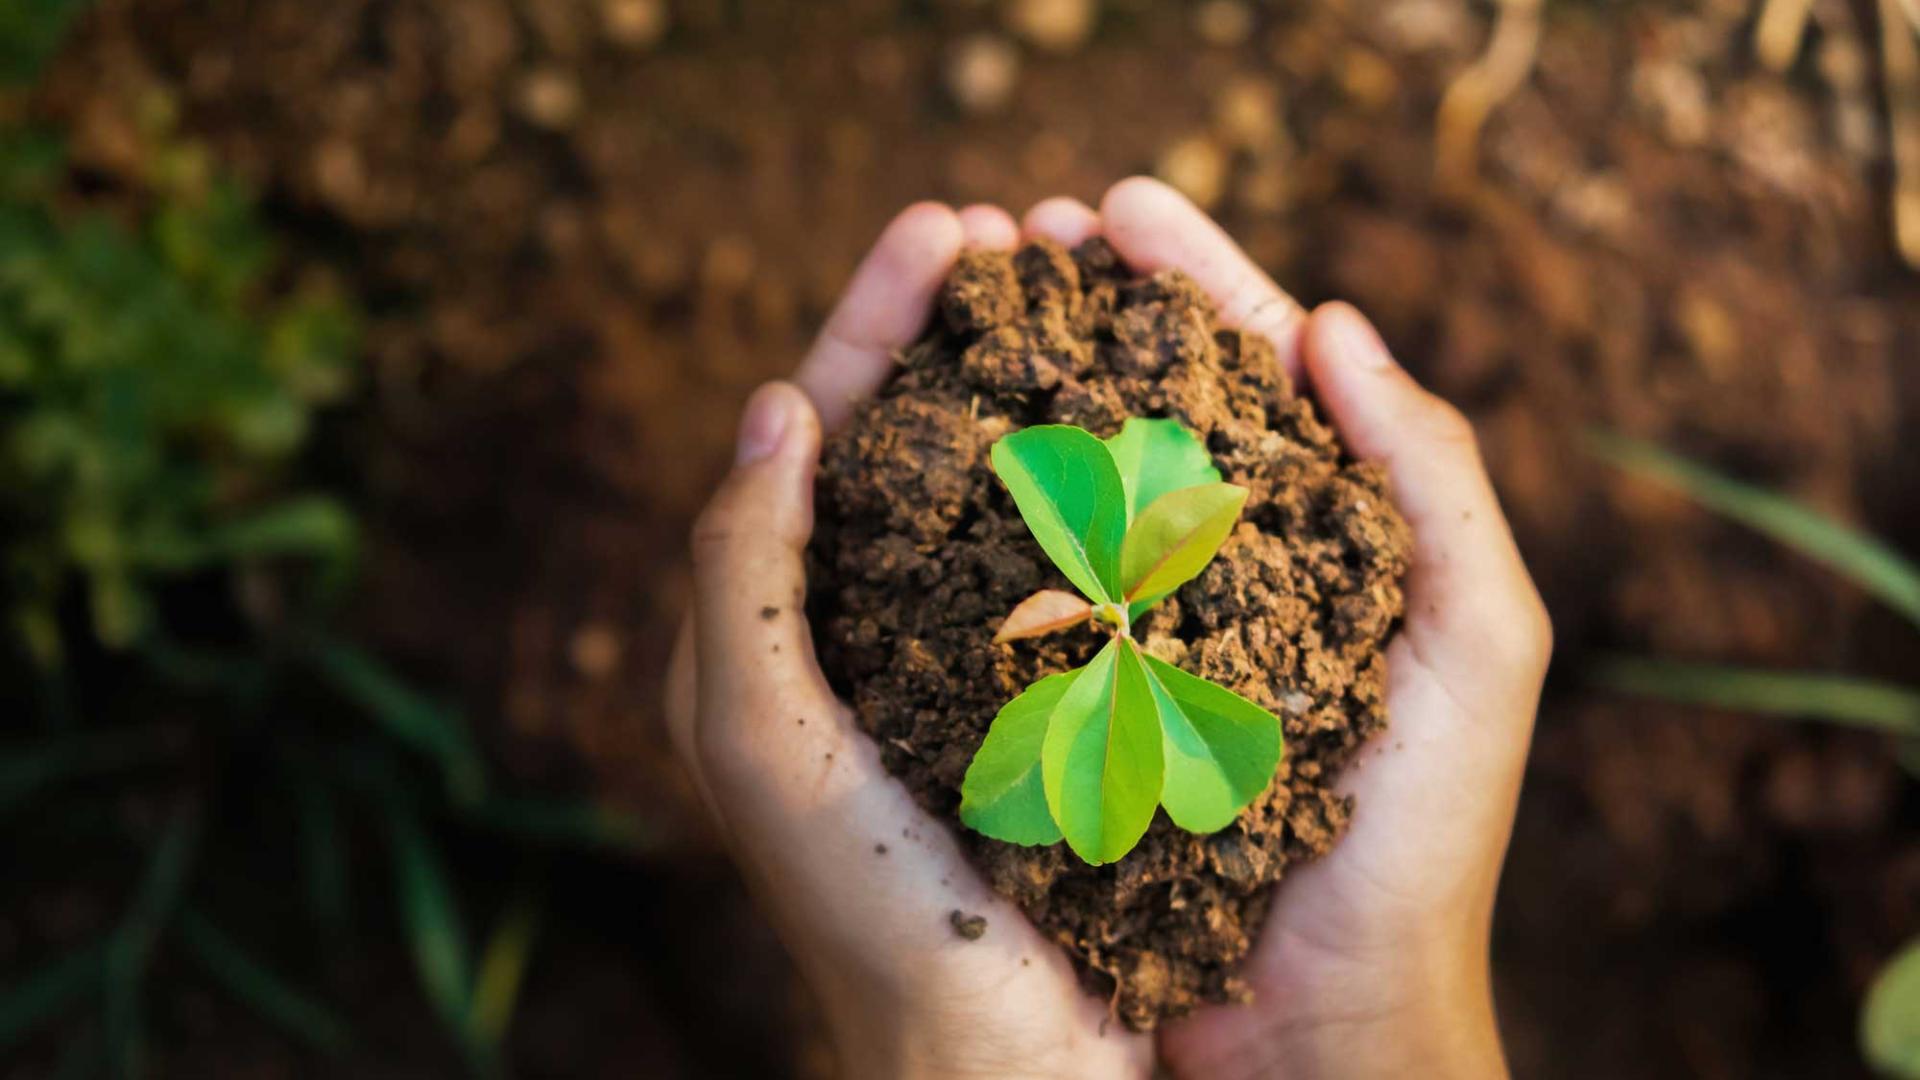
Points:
(1043, 613)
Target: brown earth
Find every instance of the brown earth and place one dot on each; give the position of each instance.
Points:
(919, 553)
(583, 237)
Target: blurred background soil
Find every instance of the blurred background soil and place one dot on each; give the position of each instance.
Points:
(585, 229)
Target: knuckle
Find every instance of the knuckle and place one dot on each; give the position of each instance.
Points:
(1448, 427)
(1526, 635)
(714, 532)
(1543, 633)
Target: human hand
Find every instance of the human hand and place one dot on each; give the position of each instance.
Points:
(858, 881)
(1373, 960)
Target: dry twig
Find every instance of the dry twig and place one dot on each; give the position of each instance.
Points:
(1480, 89)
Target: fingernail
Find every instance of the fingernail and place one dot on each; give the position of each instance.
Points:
(1353, 340)
(769, 414)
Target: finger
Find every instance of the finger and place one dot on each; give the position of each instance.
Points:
(749, 577)
(1472, 612)
(988, 227)
(682, 699)
(1067, 222)
(1155, 228)
(885, 307)
(819, 826)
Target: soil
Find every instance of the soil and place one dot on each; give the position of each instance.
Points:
(582, 237)
(919, 553)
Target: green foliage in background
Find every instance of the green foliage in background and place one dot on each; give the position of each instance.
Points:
(152, 402)
(171, 569)
(1090, 754)
(1890, 1019)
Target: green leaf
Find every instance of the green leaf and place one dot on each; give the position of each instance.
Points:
(44, 994)
(314, 526)
(1064, 482)
(432, 921)
(1890, 1022)
(310, 525)
(1101, 760)
(30, 32)
(259, 988)
(407, 716)
(1003, 794)
(132, 944)
(1158, 456)
(503, 967)
(1176, 538)
(1838, 699)
(1221, 749)
(1852, 554)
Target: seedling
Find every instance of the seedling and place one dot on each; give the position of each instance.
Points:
(1088, 754)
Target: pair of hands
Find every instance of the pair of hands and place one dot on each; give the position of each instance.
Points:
(1374, 959)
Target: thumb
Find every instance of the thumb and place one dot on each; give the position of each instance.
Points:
(749, 574)
(1471, 607)
(798, 790)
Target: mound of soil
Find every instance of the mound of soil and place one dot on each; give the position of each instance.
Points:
(919, 553)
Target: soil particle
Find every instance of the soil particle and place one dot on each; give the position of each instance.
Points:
(971, 927)
(919, 553)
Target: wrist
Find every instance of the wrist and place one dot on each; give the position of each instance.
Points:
(1449, 1038)
(1410, 1012)
(899, 1040)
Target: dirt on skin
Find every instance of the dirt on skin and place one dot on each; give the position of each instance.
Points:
(919, 553)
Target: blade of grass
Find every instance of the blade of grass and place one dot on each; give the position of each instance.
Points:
(1837, 699)
(132, 944)
(434, 928)
(44, 994)
(312, 525)
(408, 716)
(256, 986)
(1854, 555)
(503, 967)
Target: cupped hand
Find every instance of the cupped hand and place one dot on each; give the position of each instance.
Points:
(1374, 959)
(858, 881)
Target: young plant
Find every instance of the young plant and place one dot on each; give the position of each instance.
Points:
(1087, 755)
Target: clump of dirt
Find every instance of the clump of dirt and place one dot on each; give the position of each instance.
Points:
(919, 552)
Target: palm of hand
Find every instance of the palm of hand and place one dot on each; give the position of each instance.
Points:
(1396, 913)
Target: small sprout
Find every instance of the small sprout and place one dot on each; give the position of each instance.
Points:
(1088, 755)
(1114, 615)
